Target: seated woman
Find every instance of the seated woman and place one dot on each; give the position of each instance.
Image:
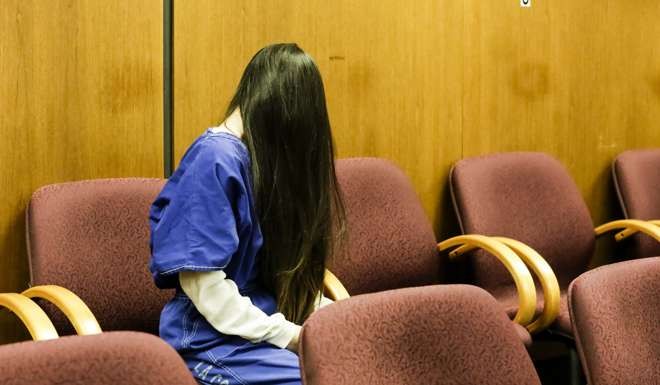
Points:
(244, 226)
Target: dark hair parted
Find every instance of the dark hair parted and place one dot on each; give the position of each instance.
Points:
(287, 131)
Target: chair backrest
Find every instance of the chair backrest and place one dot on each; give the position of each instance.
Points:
(390, 242)
(527, 196)
(616, 322)
(442, 334)
(125, 358)
(637, 179)
(92, 237)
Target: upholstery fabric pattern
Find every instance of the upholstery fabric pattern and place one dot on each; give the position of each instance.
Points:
(450, 334)
(390, 242)
(637, 179)
(616, 320)
(529, 197)
(125, 358)
(92, 237)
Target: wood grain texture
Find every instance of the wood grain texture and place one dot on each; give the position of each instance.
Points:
(576, 79)
(81, 97)
(425, 84)
(390, 72)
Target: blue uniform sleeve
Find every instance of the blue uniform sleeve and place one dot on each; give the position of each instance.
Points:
(194, 219)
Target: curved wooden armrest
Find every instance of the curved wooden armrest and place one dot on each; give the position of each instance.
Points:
(630, 227)
(71, 305)
(33, 317)
(547, 278)
(542, 270)
(521, 276)
(336, 291)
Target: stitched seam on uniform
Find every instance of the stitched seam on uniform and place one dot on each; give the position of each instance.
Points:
(184, 323)
(194, 331)
(188, 267)
(225, 367)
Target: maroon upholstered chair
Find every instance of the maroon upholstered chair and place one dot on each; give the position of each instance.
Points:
(107, 359)
(529, 197)
(390, 242)
(449, 334)
(92, 237)
(616, 322)
(637, 180)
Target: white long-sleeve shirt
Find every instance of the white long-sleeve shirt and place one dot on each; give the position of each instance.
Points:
(217, 298)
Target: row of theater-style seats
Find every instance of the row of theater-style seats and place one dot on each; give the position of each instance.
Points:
(520, 214)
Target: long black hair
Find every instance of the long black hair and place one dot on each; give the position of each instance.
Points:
(287, 131)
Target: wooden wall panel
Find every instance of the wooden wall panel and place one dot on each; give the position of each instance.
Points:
(575, 79)
(81, 97)
(425, 83)
(389, 69)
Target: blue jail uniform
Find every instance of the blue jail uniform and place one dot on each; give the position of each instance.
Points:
(203, 220)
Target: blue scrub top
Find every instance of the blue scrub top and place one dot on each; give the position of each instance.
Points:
(203, 220)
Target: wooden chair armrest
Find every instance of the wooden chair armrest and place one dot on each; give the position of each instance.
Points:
(71, 305)
(630, 227)
(547, 278)
(32, 316)
(521, 275)
(333, 287)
